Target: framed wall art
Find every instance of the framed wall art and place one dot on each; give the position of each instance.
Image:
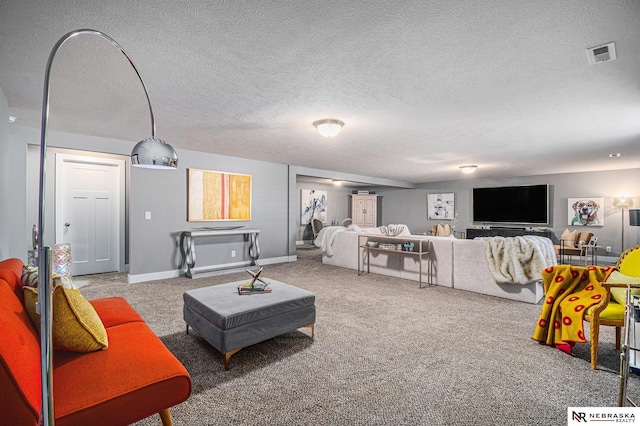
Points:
(588, 211)
(218, 196)
(312, 204)
(441, 206)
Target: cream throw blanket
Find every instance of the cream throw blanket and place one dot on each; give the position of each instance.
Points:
(518, 260)
(325, 238)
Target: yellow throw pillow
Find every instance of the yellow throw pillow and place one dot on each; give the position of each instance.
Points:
(620, 293)
(76, 325)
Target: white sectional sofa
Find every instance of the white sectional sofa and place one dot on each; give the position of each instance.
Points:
(457, 263)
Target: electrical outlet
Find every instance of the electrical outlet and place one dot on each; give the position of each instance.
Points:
(608, 249)
(233, 253)
(147, 215)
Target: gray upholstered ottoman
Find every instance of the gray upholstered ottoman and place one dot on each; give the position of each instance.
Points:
(230, 322)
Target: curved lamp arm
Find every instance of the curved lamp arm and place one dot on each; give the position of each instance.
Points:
(151, 152)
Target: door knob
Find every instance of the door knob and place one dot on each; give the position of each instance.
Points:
(67, 224)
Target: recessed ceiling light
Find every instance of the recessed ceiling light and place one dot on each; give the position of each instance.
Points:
(12, 119)
(614, 155)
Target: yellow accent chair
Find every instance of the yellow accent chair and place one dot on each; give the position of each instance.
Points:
(610, 310)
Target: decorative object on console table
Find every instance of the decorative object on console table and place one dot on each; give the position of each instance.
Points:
(585, 211)
(441, 206)
(149, 153)
(218, 196)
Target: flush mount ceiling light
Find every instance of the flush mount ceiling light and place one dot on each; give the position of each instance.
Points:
(614, 155)
(328, 127)
(470, 168)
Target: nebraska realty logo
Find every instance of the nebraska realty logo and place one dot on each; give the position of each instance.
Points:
(582, 415)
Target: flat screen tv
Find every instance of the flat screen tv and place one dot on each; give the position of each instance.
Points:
(512, 204)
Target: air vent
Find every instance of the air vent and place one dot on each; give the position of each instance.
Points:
(602, 53)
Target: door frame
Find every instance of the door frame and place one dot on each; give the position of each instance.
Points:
(121, 165)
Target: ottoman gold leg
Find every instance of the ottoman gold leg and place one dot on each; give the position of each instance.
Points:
(226, 356)
(313, 329)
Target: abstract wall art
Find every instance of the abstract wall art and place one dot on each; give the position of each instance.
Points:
(313, 204)
(218, 196)
(441, 206)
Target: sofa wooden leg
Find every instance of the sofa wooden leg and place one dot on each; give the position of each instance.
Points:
(165, 416)
(594, 334)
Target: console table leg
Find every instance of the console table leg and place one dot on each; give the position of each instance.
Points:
(190, 255)
(254, 248)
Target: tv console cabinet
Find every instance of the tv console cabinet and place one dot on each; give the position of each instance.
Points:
(505, 232)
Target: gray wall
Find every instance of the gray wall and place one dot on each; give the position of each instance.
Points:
(410, 206)
(152, 243)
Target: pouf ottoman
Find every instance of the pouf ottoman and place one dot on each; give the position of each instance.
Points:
(229, 321)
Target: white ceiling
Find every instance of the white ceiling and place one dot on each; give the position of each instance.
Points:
(423, 86)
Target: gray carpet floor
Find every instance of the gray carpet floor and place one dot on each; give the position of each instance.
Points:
(385, 353)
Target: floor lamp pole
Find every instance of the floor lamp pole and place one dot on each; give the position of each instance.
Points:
(622, 242)
(151, 153)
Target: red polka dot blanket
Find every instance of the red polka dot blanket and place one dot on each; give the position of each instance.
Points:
(569, 291)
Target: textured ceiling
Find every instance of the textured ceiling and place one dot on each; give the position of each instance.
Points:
(423, 85)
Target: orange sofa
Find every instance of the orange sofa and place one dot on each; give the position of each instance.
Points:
(135, 377)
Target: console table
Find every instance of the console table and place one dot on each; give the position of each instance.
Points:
(382, 243)
(188, 246)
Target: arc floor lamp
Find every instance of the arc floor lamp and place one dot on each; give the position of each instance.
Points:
(151, 153)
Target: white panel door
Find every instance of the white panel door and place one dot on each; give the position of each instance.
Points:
(90, 211)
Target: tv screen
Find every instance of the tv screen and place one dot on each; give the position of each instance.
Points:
(512, 204)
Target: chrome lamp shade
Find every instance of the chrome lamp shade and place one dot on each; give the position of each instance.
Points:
(154, 153)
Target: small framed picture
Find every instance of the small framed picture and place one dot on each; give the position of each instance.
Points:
(441, 206)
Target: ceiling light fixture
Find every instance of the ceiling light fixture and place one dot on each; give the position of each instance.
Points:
(470, 168)
(337, 182)
(614, 155)
(328, 127)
